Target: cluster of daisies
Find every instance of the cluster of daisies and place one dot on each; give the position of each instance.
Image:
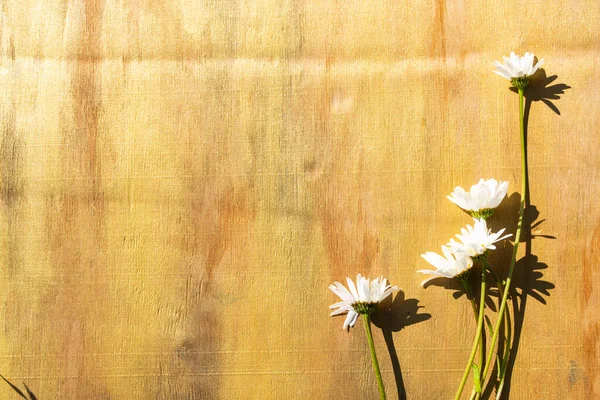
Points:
(459, 254)
(474, 240)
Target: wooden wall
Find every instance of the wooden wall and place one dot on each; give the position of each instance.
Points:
(180, 180)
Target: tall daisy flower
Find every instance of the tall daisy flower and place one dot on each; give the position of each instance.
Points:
(362, 298)
(449, 266)
(476, 240)
(517, 69)
(482, 199)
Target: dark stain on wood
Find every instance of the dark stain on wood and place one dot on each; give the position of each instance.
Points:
(439, 44)
(590, 317)
(75, 225)
(217, 210)
(349, 235)
(11, 196)
(11, 189)
(342, 201)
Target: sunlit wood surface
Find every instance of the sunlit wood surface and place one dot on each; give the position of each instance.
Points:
(180, 180)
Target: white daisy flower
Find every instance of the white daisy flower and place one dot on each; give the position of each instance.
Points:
(476, 240)
(362, 298)
(482, 199)
(517, 69)
(449, 266)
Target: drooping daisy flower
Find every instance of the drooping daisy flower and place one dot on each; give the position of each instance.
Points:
(482, 199)
(449, 266)
(476, 240)
(517, 69)
(362, 298)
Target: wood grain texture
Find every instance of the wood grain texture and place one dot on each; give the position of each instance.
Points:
(180, 181)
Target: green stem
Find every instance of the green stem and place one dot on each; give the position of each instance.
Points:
(469, 293)
(502, 374)
(517, 237)
(497, 281)
(367, 320)
(502, 361)
(507, 325)
(477, 337)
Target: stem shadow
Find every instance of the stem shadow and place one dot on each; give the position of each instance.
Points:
(393, 316)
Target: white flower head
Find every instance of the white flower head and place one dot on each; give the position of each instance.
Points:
(517, 69)
(361, 298)
(449, 266)
(476, 240)
(482, 199)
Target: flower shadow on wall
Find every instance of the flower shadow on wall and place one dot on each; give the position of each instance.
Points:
(528, 278)
(538, 90)
(393, 316)
(528, 275)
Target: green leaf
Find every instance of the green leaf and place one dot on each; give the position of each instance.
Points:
(489, 324)
(476, 378)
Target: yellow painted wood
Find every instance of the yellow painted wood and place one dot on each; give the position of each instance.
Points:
(181, 180)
